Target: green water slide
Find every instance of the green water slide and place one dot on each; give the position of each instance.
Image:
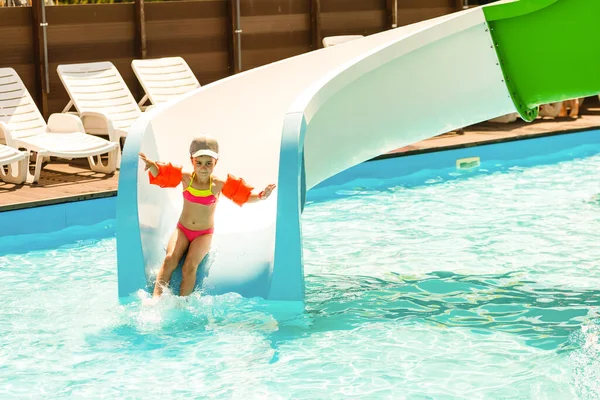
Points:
(548, 50)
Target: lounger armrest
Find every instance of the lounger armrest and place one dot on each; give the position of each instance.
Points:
(5, 133)
(64, 123)
(97, 123)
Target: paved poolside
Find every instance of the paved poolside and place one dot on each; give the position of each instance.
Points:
(64, 181)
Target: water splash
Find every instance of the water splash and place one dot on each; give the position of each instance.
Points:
(585, 361)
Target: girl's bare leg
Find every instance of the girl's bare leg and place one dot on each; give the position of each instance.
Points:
(175, 249)
(198, 250)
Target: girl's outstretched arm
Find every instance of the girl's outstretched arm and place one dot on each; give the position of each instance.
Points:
(150, 165)
(254, 197)
(162, 174)
(238, 191)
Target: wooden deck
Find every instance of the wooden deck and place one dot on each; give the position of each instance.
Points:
(62, 181)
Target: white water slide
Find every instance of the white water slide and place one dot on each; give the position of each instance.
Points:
(295, 123)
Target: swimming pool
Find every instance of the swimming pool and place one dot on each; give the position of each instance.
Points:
(423, 281)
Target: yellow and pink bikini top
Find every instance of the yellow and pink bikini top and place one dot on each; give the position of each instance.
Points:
(198, 196)
(170, 175)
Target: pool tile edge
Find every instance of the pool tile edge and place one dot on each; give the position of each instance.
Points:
(58, 200)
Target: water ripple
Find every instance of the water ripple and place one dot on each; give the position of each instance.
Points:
(483, 286)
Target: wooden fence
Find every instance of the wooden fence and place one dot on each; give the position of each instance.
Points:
(202, 32)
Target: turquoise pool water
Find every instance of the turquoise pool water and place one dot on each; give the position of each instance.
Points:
(474, 284)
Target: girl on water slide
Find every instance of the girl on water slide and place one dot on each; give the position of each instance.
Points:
(195, 226)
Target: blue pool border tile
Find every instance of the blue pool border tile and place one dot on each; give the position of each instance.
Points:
(52, 218)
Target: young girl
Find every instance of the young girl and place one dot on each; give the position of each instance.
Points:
(202, 191)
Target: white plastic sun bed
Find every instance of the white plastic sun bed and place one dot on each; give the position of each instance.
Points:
(13, 165)
(23, 127)
(164, 79)
(101, 98)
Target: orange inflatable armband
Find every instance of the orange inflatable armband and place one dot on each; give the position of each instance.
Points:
(237, 190)
(169, 175)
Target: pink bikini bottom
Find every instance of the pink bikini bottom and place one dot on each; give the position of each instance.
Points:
(191, 234)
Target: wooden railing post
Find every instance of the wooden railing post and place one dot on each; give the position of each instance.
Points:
(460, 5)
(315, 24)
(40, 49)
(234, 35)
(392, 14)
(140, 30)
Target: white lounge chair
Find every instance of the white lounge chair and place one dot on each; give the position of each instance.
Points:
(101, 97)
(164, 79)
(23, 127)
(13, 165)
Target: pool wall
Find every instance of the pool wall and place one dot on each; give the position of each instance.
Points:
(415, 169)
(24, 229)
